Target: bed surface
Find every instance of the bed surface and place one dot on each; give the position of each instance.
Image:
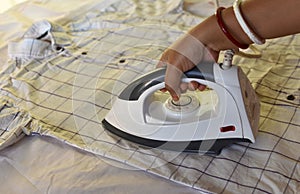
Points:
(61, 68)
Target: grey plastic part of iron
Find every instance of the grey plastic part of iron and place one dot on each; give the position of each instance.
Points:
(134, 90)
(207, 147)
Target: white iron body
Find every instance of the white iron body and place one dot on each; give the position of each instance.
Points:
(143, 120)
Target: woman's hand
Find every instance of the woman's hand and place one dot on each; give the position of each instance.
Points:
(182, 56)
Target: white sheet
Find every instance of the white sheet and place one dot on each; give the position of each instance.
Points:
(45, 165)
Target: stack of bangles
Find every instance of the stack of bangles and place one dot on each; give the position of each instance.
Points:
(244, 25)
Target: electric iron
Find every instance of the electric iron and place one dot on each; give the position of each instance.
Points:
(203, 122)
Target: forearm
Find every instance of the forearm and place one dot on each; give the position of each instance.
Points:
(273, 18)
(267, 18)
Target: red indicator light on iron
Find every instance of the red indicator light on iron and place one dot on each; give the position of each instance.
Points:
(227, 128)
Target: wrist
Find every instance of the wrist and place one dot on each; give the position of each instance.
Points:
(234, 27)
(211, 35)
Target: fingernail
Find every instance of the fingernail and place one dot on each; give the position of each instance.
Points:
(202, 87)
(175, 98)
(163, 90)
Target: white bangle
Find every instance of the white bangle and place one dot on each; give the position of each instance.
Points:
(252, 36)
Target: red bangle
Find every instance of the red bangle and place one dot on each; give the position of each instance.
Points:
(225, 31)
